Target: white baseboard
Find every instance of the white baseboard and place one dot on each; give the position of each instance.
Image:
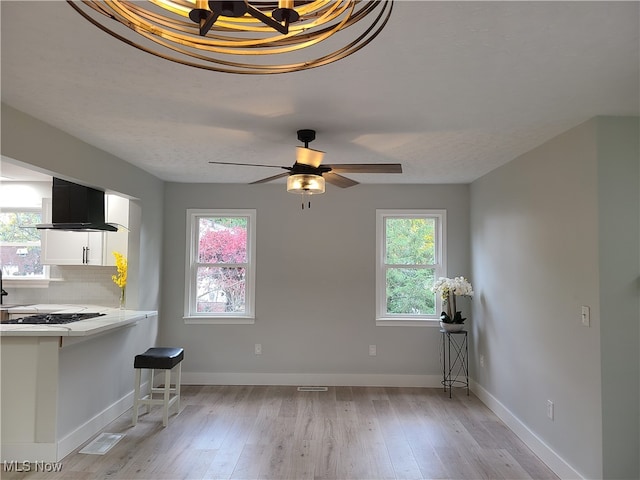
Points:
(84, 432)
(554, 461)
(54, 452)
(311, 379)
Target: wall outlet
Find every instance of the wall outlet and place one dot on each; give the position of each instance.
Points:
(372, 350)
(550, 409)
(482, 361)
(258, 349)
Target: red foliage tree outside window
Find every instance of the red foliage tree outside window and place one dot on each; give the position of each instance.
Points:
(222, 262)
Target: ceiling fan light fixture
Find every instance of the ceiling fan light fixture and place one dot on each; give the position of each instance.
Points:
(307, 175)
(305, 184)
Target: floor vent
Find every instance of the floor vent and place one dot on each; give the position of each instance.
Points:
(102, 444)
(313, 389)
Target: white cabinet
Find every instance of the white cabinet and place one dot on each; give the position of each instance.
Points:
(87, 248)
(72, 248)
(117, 212)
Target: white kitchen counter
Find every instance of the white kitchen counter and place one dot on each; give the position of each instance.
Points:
(54, 308)
(113, 318)
(61, 384)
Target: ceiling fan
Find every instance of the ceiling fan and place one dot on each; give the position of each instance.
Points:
(307, 175)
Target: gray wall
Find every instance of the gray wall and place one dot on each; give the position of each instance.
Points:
(42, 147)
(549, 234)
(315, 303)
(619, 233)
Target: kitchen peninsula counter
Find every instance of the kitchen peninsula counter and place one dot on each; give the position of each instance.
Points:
(113, 318)
(61, 384)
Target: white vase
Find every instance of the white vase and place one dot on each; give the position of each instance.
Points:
(452, 327)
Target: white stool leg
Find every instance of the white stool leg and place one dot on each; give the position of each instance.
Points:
(136, 396)
(150, 386)
(152, 382)
(178, 379)
(167, 393)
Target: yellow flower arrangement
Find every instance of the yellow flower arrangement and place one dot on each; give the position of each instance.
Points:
(121, 278)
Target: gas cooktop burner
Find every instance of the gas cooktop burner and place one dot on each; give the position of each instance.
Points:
(54, 318)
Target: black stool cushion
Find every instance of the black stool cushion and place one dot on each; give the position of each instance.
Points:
(159, 357)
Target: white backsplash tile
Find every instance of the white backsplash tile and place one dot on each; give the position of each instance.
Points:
(80, 285)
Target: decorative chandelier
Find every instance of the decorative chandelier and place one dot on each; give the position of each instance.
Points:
(222, 35)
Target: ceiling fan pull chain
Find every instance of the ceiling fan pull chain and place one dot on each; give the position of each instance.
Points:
(305, 200)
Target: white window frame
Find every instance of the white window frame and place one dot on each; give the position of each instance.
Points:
(191, 316)
(382, 317)
(41, 281)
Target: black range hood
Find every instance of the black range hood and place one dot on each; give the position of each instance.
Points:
(77, 208)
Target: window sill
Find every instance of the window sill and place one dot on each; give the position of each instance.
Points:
(28, 282)
(406, 322)
(219, 320)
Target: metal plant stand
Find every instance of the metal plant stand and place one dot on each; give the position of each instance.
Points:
(454, 357)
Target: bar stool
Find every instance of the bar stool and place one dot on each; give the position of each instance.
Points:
(158, 358)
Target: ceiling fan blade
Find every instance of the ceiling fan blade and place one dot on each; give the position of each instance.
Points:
(366, 168)
(339, 180)
(268, 179)
(309, 156)
(251, 165)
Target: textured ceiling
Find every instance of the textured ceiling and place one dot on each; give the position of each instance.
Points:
(451, 90)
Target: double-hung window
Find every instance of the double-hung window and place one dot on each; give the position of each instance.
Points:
(220, 283)
(411, 255)
(20, 247)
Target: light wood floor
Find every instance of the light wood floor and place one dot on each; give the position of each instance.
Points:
(245, 432)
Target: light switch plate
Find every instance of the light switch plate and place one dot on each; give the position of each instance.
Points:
(586, 316)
